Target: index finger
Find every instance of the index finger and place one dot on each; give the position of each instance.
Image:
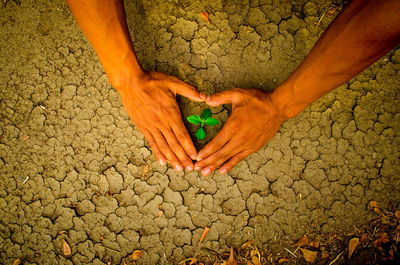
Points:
(183, 137)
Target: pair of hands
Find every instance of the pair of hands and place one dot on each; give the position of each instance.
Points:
(152, 97)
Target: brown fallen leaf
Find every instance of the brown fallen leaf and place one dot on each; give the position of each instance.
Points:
(331, 11)
(353, 243)
(66, 248)
(397, 213)
(204, 15)
(309, 255)
(203, 236)
(17, 262)
(373, 204)
(231, 260)
(136, 255)
(301, 242)
(314, 244)
(282, 260)
(62, 232)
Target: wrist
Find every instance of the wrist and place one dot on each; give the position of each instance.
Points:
(125, 76)
(287, 101)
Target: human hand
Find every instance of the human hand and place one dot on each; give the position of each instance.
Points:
(150, 101)
(255, 119)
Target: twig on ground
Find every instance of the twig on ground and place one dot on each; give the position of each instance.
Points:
(294, 255)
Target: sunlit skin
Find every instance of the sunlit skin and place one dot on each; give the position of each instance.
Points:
(363, 32)
(148, 97)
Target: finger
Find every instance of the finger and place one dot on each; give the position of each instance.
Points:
(153, 145)
(212, 162)
(226, 97)
(166, 150)
(177, 148)
(183, 137)
(233, 161)
(188, 91)
(227, 132)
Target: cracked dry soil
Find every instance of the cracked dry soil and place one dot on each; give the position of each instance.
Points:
(71, 160)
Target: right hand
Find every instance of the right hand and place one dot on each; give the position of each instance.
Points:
(150, 101)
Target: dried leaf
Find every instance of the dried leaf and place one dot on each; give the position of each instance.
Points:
(17, 262)
(309, 255)
(397, 213)
(205, 232)
(231, 260)
(66, 248)
(62, 232)
(373, 204)
(136, 255)
(314, 244)
(353, 243)
(331, 11)
(204, 15)
(301, 242)
(282, 260)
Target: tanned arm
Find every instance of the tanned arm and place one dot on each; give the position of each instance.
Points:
(148, 97)
(363, 32)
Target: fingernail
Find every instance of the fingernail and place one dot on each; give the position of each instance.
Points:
(203, 96)
(188, 168)
(162, 162)
(222, 170)
(206, 171)
(178, 168)
(197, 168)
(193, 157)
(199, 158)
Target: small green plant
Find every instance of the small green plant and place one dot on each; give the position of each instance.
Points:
(204, 119)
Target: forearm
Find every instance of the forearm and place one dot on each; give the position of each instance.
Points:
(104, 24)
(361, 34)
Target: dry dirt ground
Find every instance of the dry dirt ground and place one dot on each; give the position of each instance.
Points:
(71, 160)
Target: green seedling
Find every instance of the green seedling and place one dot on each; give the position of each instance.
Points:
(204, 119)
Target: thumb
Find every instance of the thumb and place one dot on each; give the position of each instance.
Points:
(226, 97)
(189, 91)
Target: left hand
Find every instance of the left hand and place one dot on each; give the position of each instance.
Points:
(255, 119)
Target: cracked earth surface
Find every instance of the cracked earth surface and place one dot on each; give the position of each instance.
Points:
(71, 160)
